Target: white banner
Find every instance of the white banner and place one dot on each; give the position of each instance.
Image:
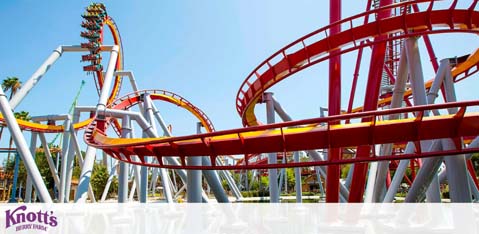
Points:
(238, 218)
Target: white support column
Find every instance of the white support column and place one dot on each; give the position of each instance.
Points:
(144, 169)
(386, 149)
(425, 176)
(297, 177)
(229, 179)
(71, 155)
(433, 193)
(149, 108)
(132, 191)
(457, 178)
(42, 70)
(210, 175)
(147, 129)
(154, 180)
(64, 161)
(272, 157)
(23, 150)
(123, 175)
(344, 192)
(85, 175)
(35, 78)
(419, 97)
(110, 179)
(49, 157)
(193, 185)
(107, 83)
(81, 161)
(80, 196)
(371, 182)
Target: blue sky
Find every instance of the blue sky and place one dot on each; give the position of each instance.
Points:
(202, 50)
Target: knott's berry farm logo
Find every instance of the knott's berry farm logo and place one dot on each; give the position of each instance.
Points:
(21, 220)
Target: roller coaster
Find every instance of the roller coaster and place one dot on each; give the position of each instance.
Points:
(399, 123)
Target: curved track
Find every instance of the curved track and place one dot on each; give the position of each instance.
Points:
(297, 135)
(132, 99)
(309, 134)
(290, 61)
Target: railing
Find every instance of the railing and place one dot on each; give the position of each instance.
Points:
(279, 66)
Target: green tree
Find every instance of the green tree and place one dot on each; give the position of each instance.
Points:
(475, 162)
(291, 177)
(13, 84)
(42, 164)
(98, 181)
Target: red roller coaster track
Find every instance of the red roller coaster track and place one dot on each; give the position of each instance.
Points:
(322, 133)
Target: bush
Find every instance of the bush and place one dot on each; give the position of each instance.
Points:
(99, 178)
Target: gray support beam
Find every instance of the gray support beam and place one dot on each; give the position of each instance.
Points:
(40, 72)
(428, 173)
(211, 176)
(419, 97)
(74, 149)
(100, 112)
(411, 62)
(29, 184)
(433, 193)
(425, 176)
(136, 169)
(35, 78)
(133, 189)
(49, 157)
(272, 157)
(149, 108)
(386, 149)
(229, 179)
(107, 83)
(154, 180)
(78, 152)
(415, 71)
(434, 187)
(344, 192)
(297, 178)
(131, 77)
(85, 175)
(23, 150)
(193, 185)
(144, 169)
(110, 179)
(457, 178)
(146, 128)
(371, 182)
(123, 174)
(214, 181)
(64, 161)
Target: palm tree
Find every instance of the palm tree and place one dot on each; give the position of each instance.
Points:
(22, 115)
(13, 84)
